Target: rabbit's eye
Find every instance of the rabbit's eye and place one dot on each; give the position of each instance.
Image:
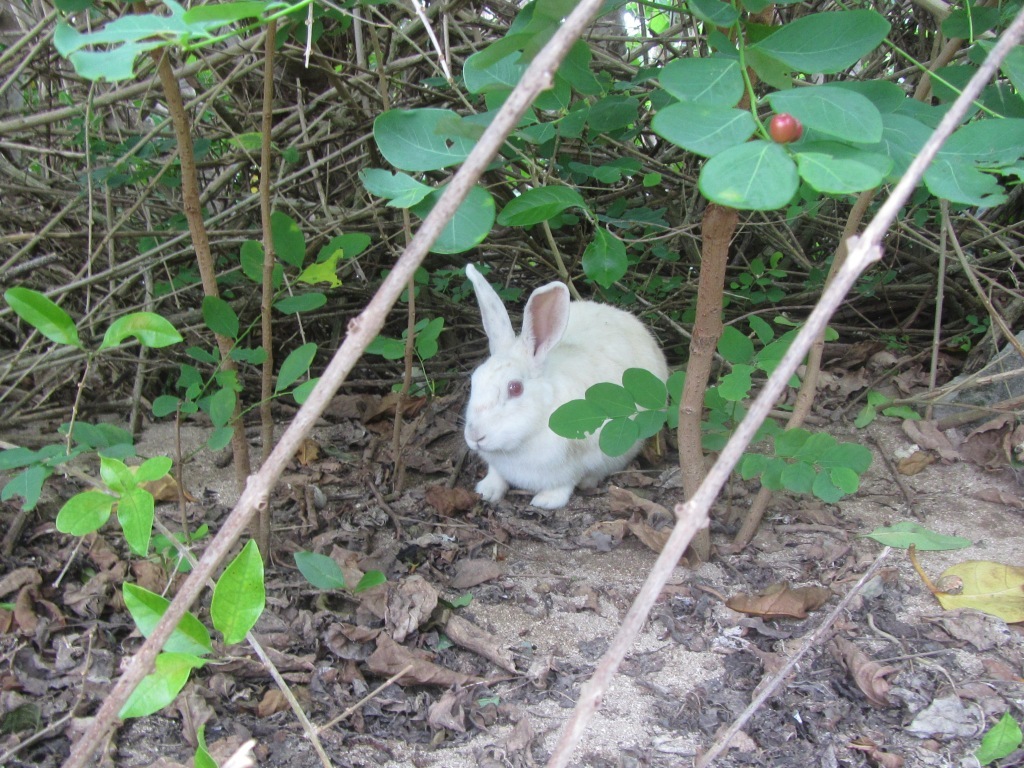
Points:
(515, 388)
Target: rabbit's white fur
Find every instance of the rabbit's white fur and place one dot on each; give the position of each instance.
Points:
(564, 348)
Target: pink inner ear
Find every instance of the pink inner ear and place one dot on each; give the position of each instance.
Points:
(548, 320)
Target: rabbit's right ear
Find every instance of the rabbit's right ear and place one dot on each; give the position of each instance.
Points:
(497, 324)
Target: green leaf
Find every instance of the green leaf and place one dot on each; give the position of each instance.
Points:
(706, 129)
(471, 223)
(969, 23)
(845, 479)
(289, 242)
(798, 477)
(752, 465)
(611, 399)
(1001, 740)
(646, 389)
(303, 302)
(713, 82)
(43, 315)
(735, 385)
(388, 348)
(839, 169)
(28, 484)
(612, 113)
(135, 513)
(219, 438)
(370, 579)
(755, 176)
(84, 513)
(295, 366)
(153, 469)
(165, 405)
(837, 112)
(220, 317)
(222, 406)
(203, 758)
(147, 608)
(482, 75)
(427, 337)
(825, 489)
(400, 189)
(902, 535)
(211, 17)
(734, 345)
(539, 204)
(239, 596)
(714, 12)
(791, 442)
(650, 423)
(320, 570)
(605, 260)
(826, 43)
(902, 412)
(162, 686)
(350, 245)
(958, 181)
(576, 419)
(149, 328)
(618, 436)
(850, 455)
(414, 140)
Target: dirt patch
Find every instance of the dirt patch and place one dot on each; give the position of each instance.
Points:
(553, 603)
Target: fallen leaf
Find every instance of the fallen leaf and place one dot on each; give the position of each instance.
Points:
(945, 719)
(448, 500)
(273, 701)
(390, 658)
(410, 603)
(468, 635)
(906, 534)
(995, 496)
(605, 535)
(990, 587)
(651, 538)
(875, 754)
(448, 712)
(927, 435)
(475, 570)
(979, 629)
(989, 446)
(18, 578)
(308, 452)
(166, 489)
(914, 463)
(626, 501)
(780, 601)
(867, 674)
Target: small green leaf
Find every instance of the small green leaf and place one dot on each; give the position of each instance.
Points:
(735, 385)
(84, 513)
(420, 139)
(902, 535)
(222, 406)
(649, 423)
(902, 412)
(539, 204)
(220, 317)
(28, 484)
(790, 442)
(798, 477)
(203, 758)
(370, 579)
(239, 595)
(825, 489)
(295, 366)
(618, 436)
(1002, 739)
(303, 302)
(838, 112)
(289, 242)
(135, 512)
(845, 479)
(611, 399)
(219, 438)
(320, 570)
(576, 419)
(159, 689)
(471, 223)
(302, 392)
(646, 389)
(734, 345)
(400, 189)
(850, 455)
(388, 348)
(165, 405)
(752, 465)
(604, 260)
(149, 328)
(147, 608)
(43, 315)
(706, 129)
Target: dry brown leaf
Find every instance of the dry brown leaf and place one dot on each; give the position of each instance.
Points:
(468, 635)
(166, 489)
(308, 452)
(605, 535)
(780, 600)
(625, 501)
(995, 496)
(471, 571)
(915, 462)
(448, 712)
(390, 658)
(410, 603)
(448, 500)
(273, 701)
(989, 446)
(927, 435)
(18, 578)
(150, 575)
(652, 539)
(195, 713)
(873, 753)
(869, 675)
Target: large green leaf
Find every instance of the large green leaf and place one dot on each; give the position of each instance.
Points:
(611, 399)
(604, 260)
(239, 595)
(827, 42)
(400, 189)
(957, 179)
(837, 112)
(618, 436)
(43, 315)
(295, 366)
(483, 75)
(841, 169)
(418, 139)
(576, 419)
(190, 636)
(714, 12)
(987, 141)
(902, 139)
(539, 204)
(289, 242)
(148, 327)
(702, 128)
(161, 687)
(220, 317)
(471, 223)
(756, 176)
(714, 82)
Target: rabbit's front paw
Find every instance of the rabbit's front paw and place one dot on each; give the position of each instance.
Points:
(553, 498)
(492, 488)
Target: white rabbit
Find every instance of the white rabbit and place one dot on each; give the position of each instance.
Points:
(564, 348)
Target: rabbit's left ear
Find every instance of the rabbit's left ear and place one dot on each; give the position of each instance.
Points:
(545, 319)
(497, 324)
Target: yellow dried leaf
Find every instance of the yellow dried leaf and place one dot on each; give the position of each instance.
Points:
(994, 588)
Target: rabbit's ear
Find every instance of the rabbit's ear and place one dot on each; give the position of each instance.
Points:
(545, 319)
(497, 324)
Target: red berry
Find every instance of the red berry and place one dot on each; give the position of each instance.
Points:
(785, 128)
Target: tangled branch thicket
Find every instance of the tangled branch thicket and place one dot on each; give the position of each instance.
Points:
(92, 217)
